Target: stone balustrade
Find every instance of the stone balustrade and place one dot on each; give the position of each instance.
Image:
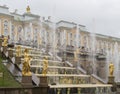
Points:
(97, 88)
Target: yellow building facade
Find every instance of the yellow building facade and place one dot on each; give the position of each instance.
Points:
(33, 28)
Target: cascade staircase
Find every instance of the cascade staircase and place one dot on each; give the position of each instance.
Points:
(62, 76)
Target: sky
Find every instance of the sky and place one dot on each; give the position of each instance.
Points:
(99, 16)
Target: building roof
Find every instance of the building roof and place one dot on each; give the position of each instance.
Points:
(4, 10)
(62, 21)
(31, 15)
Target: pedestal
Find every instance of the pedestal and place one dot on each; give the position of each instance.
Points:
(27, 81)
(17, 60)
(43, 85)
(43, 81)
(1, 41)
(10, 53)
(111, 79)
(4, 49)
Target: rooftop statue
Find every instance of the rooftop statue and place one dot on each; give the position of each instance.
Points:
(45, 66)
(111, 69)
(18, 51)
(26, 64)
(28, 9)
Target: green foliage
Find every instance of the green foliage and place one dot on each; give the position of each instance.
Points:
(7, 80)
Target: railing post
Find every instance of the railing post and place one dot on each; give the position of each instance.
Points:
(58, 91)
(101, 90)
(79, 90)
(68, 91)
(108, 90)
(97, 90)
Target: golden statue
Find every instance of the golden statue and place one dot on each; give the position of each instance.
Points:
(76, 54)
(111, 69)
(18, 51)
(28, 9)
(26, 64)
(26, 52)
(5, 41)
(45, 66)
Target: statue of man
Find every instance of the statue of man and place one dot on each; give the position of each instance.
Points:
(111, 69)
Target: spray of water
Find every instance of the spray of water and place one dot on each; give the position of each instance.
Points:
(116, 61)
(93, 42)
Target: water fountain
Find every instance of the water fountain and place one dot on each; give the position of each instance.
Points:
(77, 45)
(54, 44)
(63, 43)
(107, 64)
(31, 32)
(93, 44)
(116, 62)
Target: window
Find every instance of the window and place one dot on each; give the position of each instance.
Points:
(5, 28)
(35, 34)
(85, 41)
(19, 33)
(28, 34)
(12, 33)
(71, 43)
(70, 35)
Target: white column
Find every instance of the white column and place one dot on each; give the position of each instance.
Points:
(15, 34)
(40, 32)
(77, 36)
(22, 34)
(31, 31)
(50, 37)
(0, 29)
(64, 39)
(45, 36)
(25, 33)
(69, 38)
(10, 31)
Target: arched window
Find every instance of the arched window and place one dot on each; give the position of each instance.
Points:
(28, 37)
(48, 39)
(12, 33)
(43, 36)
(109, 47)
(35, 34)
(19, 33)
(5, 28)
(85, 41)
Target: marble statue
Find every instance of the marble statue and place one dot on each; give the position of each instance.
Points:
(111, 69)
(45, 66)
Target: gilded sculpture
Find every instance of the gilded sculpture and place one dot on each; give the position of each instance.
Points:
(18, 51)
(26, 64)
(45, 66)
(28, 9)
(76, 54)
(111, 69)
(5, 41)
